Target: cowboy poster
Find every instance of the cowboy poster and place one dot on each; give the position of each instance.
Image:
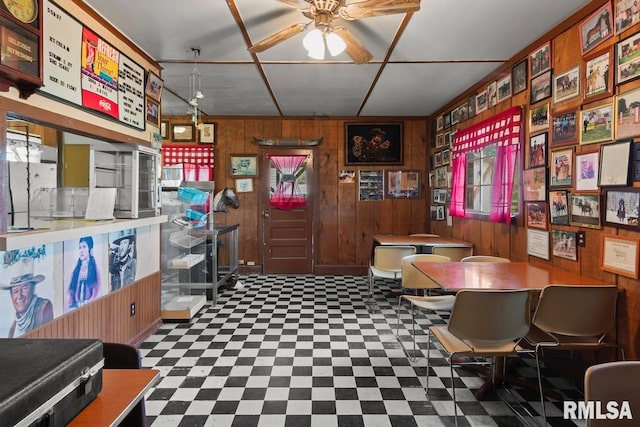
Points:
(85, 271)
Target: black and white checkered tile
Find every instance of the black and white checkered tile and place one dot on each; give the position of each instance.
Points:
(313, 351)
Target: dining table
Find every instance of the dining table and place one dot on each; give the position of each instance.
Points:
(456, 276)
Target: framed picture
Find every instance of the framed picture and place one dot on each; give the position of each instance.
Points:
(540, 60)
(437, 159)
(244, 185)
(519, 75)
(439, 123)
(154, 86)
(449, 139)
(628, 114)
(538, 150)
(376, 143)
(481, 101)
(464, 111)
(455, 116)
(471, 105)
(441, 177)
(587, 167)
(628, 58)
(492, 94)
(183, 132)
(207, 133)
(447, 120)
(539, 118)
(624, 17)
(614, 164)
(538, 243)
(635, 167)
(446, 156)
(243, 165)
(370, 185)
(621, 207)
(504, 88)
(619, 255)
(540, 87)
(403, 184)
(565, 129)
(164, 129)
(566, 85)
(534, 184)
(584, 210)
(596, 28)
(563, 244)
(440, 140)
(537, 215)
(558, 210)
(596, 124)
(597, 78)
(153, 112)
(561, 167)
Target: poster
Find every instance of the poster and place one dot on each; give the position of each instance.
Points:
(99, 74)
(131, 93)
(85, 271)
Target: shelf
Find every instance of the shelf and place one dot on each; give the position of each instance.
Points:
(185, 262)
(183, 307)
(185, 240)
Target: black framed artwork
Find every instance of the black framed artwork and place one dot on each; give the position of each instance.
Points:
(373, 143)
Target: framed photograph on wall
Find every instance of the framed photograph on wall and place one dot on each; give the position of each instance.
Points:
(596, 28)
(627, 114)
(403, 184)
(565, 129)
(154, 86)
(538, 150)
(538, 243)
(243, 165)
(596, 124)
(534, 184)
(614, 164)
(624, 17)
(207, 133)
(244, 185)
(558, 207)
(455, 116)
(597, 76)
(540, 60)
(183, 132)
(153, 112)
(439, 123)
(566, 85)
(519, 75)
(628, 58)
(539, 118)
(619, 255)
(621, 207)
(540, 87)
(164, 129)
(563, 244)
(471, 106)
(587, 167)
(481, 101)
(504, 88)
(492, 94)
(584, 210)
(561, 169)
(373, 143)
(537, 215)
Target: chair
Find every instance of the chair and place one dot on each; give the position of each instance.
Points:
(571, 318)
(386, 263)
(484, 258)
(614, 381)
(123, 356)
(413, 279)
(483, 324)
(456, 254)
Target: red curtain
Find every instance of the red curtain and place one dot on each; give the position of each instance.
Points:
(288, 194)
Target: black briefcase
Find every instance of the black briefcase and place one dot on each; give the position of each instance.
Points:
(47, 382)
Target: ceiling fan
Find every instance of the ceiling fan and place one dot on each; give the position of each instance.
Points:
(323, 13)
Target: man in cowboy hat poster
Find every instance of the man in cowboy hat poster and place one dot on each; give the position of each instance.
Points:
(373, 144)
(31, 311)
(122, 258)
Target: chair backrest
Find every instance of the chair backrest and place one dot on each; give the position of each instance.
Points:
(484, 258)
(456, 254)
(389, 257)
(578, 311)
(412, 278)
(496, 316)
(614, 381)
(424, 235)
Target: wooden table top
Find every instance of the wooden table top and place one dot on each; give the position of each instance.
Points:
(121, 390)
(454, 276)
(395, 239)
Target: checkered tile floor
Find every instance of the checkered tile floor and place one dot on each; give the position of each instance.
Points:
(312, 351)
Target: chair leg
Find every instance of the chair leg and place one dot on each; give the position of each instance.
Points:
(426, 375)
(398, 316)
(453, 391)
(544, 412)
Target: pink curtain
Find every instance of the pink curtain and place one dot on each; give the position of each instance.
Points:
(288, 195)
(504, 130)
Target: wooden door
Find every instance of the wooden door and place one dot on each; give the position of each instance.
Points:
(287, 235)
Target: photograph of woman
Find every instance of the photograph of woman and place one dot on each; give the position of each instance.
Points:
(85, 278)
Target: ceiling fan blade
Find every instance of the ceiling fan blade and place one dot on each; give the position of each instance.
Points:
(278, 37)
(297, 4)
(369, 8)
(354, 49)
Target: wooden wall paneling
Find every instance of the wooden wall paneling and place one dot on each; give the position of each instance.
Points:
(249, 205)
(327, 204)
(291, 128)
(365, 227)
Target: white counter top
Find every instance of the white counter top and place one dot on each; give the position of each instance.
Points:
(61, 230)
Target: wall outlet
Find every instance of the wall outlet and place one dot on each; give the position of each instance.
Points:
(251, 263)
(240, 261)
(132, 310)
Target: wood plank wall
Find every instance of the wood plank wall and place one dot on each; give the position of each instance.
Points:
(108, 318)
(511, 241)
(345, 225)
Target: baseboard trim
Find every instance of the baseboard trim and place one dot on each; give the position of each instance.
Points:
(340, 270)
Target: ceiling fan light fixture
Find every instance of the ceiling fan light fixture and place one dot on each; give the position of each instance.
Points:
(317, 52)
(335, 44)
(313, 40)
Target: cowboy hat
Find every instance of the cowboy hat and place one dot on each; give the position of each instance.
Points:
(124, 235)
(20, 273)
(376, 131)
